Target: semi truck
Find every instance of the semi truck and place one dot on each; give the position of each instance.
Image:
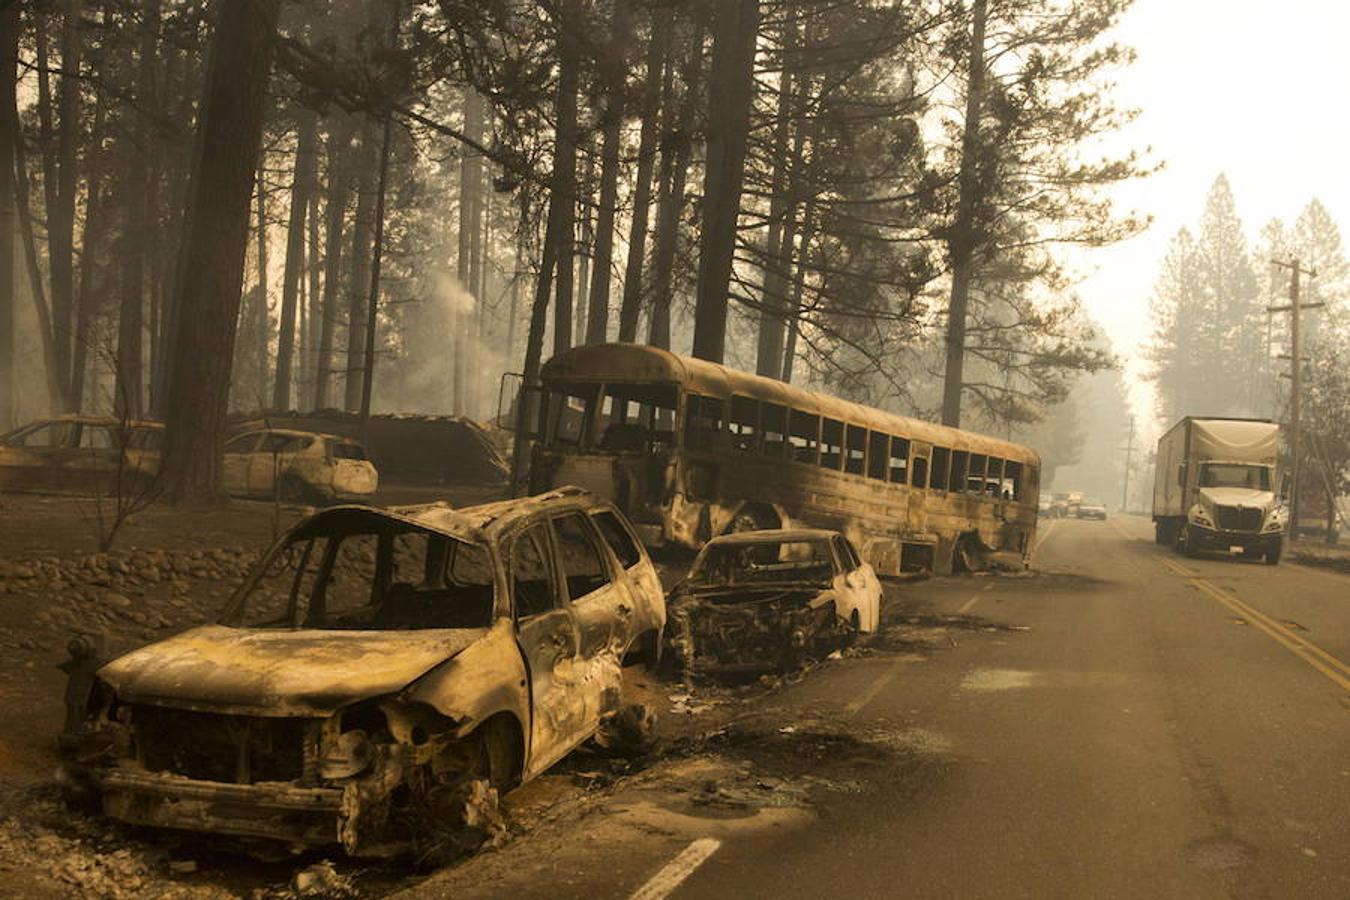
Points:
(1214, 488)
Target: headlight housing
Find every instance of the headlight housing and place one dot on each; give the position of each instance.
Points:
(1277, 519)
(349, 755)
(1199, 516)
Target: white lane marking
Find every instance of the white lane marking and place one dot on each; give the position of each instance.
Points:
(873, 689)
(965, 607)
(1045, 534)
(673, 873)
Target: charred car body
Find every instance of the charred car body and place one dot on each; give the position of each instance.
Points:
(760, 599)
(374, 664)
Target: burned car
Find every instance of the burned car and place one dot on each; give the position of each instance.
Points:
(80, 453)
(298, 466)
(757, 599)
(375, 666)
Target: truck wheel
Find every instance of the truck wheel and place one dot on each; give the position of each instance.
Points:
(1187, 543)
(1273, 554)
(1159, 533)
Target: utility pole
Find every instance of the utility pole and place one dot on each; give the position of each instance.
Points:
(1295, 310)
(1129, 452)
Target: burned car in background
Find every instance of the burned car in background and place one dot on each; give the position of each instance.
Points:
(376, 668)
(80, 453)
(298, 466)
(769, 599)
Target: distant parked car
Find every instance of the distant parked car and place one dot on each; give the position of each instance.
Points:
(765, 599)
(80, 453)
(299, 465)
(1091, 508)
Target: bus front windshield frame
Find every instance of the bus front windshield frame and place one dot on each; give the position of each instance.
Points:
(618, 417)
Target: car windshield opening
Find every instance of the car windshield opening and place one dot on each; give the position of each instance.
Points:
(764, 562)
(364, 572)
(1235, 475)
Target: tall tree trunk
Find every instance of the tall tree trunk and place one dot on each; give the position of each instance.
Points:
(211, 269)
(312, 307)
(518, 276)
(335, 208)
(962, 242)
(373, 301)
(469, 184)
(88, 302)
(585, 240)
(129, 391)
(565, 169)
(9, 283)
(177, 167)
(798, 290)
(735, 25)
(301, 185)
(677, 148)
(657, 52)
(615, 72)
(773, 303)
(362, 234)
(23, 207)
(61, 217)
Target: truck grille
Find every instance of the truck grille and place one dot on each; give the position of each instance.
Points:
(1238, 518)
(215, 747)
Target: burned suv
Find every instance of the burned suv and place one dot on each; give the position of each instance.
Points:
(374, 664)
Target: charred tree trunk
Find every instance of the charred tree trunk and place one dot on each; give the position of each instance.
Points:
(313, 307)
(335, 207)
(585, 240)
(211, 267)
(962, 241)
(9, 140)
(470, 183)
(362, 230)
(87, 300)
(798, 291)
(773, 302)
(735, 25)
(373, 302)
(565, 169)
(23, 208)
(676, 151)
(615, 75)
(301, 185)
(657, 52)
(61, 217)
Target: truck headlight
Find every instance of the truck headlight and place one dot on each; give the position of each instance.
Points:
(1277, 519)
(1198, 516)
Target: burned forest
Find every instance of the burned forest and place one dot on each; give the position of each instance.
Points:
(672, 448)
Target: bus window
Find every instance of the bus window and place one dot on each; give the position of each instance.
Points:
(993, 478)
(975, 477)
(744, 422)
(956, 481)
(920, 471)
(567, 411)
(899, 464)
(774, 425)
(702, 422)
(1012, 480)
(803, 435)
(878, 452)
(636, 418)
(831, 444)
(937, 480)
(855, 449)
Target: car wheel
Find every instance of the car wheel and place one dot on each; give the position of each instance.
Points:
(748, 518)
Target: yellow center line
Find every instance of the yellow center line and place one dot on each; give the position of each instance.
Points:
(1334, 669)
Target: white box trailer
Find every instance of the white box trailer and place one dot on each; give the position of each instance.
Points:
(1214, 487)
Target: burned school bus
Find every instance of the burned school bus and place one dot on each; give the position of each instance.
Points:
(689, 450)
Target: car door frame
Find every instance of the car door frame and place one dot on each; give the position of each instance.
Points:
(604, 616)
(550, 645)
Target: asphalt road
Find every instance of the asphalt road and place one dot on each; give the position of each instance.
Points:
(1124, 723)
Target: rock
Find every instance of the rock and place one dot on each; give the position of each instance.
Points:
(182, 866)
(116, 600)
(322, 880)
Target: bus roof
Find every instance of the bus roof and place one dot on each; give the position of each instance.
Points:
(640, 363)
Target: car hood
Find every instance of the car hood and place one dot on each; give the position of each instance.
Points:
(272, 672)
(1236, 496)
